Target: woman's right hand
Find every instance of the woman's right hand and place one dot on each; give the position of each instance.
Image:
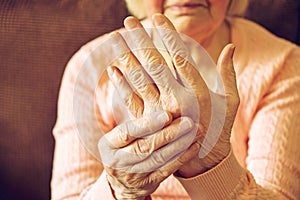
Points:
(142, 73)
(139, 154)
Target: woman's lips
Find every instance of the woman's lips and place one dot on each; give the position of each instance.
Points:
(184, 7)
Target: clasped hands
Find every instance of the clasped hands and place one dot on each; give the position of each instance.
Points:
(169, 117)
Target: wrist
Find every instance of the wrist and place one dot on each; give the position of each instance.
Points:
(191, 169)
(118, 192)
(199, 166)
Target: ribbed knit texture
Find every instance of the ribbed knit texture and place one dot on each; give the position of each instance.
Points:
(264, 162)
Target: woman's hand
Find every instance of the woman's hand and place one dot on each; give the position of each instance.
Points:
(139, 154)
(188, 95)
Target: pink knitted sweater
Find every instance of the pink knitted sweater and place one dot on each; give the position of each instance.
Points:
(265, 159)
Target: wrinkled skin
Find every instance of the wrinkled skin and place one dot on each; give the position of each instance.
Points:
(143, 97)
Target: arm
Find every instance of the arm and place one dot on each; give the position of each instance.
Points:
(75, 170)
(227, 179)
(277, 168)
(273, 155)
(144, 140)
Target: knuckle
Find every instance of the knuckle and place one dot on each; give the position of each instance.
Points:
(134, 181)
(136, 76)
(150, 94)
(124, 133)
(152, 56)
(126, 58)
(142, 147)
(145, 122)
(158, 159)
(167, 134)
(156, 69)
(180, 59)
(162, 173)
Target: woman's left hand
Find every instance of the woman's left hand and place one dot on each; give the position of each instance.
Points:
(139, 154)
(179, 96)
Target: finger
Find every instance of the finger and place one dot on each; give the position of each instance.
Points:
(172, 166)
(187, 73)
(137, 180)
(149, 144)
(125, 133)
(148, 55)
(166, 153)
(134, 73)
(141, 152)
(226, 69)
(129, 100)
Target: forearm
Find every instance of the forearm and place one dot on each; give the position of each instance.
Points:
(228, 180)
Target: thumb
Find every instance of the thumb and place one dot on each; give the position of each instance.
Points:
(226, 69)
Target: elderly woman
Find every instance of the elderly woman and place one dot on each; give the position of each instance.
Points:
(255, 155)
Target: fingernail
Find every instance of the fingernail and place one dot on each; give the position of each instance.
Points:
(158, 19)
(114, 36)
(186, 124)
(130, 22)
(163, 117)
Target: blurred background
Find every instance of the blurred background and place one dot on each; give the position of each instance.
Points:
(37, 38)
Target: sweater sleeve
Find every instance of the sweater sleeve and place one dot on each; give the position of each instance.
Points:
(228, 180)
(76, 173)
(273, 154)
(273, 170)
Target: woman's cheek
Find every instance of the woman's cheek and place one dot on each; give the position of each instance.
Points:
(219, 5)
(153, 6)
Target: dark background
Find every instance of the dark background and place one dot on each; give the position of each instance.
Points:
(37, 38)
